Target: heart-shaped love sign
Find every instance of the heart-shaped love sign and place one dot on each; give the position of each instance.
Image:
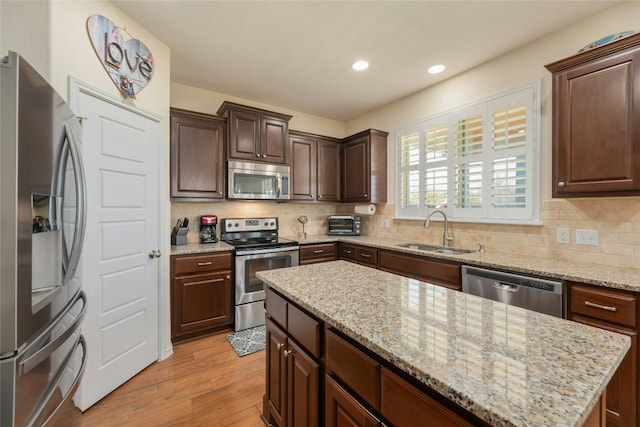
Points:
(129, 63)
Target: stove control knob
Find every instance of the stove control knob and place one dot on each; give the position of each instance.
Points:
(273, 223)
(237, 225)
(266, 223)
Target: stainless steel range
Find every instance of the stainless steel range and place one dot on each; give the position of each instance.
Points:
(258, 248)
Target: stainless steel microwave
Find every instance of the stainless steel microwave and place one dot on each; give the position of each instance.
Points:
(257, 181)
(344, 225)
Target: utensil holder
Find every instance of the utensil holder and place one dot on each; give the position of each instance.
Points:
(179, 236)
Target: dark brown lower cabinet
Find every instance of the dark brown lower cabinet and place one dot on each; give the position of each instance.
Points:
(293, 382)
(343, 410)
(201, 295)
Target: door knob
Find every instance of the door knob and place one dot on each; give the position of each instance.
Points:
(561, 184)
(154, 254)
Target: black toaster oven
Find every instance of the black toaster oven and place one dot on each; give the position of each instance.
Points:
(344, 225)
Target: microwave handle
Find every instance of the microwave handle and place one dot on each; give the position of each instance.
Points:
(279, 190)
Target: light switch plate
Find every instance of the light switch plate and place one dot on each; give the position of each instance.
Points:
(386, 223)
(563, 235)
(587, 237)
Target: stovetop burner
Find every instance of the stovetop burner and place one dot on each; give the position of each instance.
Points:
(253, 233)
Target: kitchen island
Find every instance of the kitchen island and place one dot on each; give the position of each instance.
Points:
(502, 364)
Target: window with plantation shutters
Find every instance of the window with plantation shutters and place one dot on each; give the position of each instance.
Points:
(478, 162)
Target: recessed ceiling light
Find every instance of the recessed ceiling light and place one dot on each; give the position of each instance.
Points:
(360, 65)
(435, 69)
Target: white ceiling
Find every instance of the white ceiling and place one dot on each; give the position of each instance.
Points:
(298, 54)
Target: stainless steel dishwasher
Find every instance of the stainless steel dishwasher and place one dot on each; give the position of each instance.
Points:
(533, 293)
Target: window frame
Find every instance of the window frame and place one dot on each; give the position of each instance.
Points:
(488, 107)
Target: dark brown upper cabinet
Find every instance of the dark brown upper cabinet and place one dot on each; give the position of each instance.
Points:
(596, 121)
(315, 167)
(364, 167)
(256, 135)
(197, 156)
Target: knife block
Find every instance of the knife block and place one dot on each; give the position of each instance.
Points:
(179, 236)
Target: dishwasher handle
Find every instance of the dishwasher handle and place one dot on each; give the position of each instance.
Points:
(505, 286)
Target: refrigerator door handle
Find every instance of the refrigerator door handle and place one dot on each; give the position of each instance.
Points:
(35, 359)
(81, 198)
(42, 404)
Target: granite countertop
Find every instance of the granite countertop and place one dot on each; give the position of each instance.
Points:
(595, 274)
(507, 365)
(198, 248)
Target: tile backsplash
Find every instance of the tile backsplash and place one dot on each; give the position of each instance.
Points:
(617, 221)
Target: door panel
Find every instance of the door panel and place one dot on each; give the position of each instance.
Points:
(121, 150)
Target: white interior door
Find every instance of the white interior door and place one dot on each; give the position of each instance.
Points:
(121, 148)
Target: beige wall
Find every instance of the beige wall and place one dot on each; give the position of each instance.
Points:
(204, 101)
(616, 219)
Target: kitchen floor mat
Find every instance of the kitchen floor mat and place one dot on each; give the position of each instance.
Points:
(248, 341)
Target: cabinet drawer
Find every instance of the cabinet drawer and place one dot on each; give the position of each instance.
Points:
(357, 370)
(317, 253)
(276, 307)
(367, 255)
(604, 305)
(304, 329)
(403, 404)
(186, 264)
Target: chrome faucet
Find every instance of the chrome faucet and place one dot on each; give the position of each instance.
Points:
(445, 237)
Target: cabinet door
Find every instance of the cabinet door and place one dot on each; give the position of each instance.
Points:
(276, 392)
(329, 171)
(274, 140)
(303, 168)
(343, 410)
(356, 171)
(621, 390)
(596, 127)
(244, 134)
(303, 388)
(197, 157)
(201, 302)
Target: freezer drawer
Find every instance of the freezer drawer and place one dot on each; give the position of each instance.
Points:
(38, 381)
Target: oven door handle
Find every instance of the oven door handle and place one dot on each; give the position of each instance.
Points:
(268, 252)
(279, 190)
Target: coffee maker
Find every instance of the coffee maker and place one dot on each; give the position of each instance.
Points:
(208, 229)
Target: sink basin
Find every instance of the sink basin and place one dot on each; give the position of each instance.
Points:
(434, 248)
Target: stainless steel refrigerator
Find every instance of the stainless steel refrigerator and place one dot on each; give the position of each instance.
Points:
(42, 222)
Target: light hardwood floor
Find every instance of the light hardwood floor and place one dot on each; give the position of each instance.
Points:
(204, 383)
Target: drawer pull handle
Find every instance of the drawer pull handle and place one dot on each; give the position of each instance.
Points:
(347, 251)
(366, 255)
(602, 307)
(202, 264)
(319, 251)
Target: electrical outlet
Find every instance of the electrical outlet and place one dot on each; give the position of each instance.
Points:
(563, 235)
(386, 223)
(587, 237)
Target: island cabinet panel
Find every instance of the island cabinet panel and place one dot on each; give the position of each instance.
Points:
(201, 295)
(364, 167)
(344, 410)
(614, 311)
(358, 371)
(256, 135)
(197, 156)
(319, 252)
(421, 268)
(596, 127)
(403, 404)
(364, 255)
(293, 370)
